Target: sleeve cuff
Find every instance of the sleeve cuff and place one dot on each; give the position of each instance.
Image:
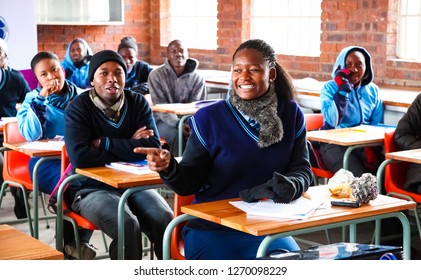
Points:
(172, 170)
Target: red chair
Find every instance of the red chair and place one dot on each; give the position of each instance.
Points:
(314, 122)
(395, 177)
(177, 242)
(15, 170)
(74, 218)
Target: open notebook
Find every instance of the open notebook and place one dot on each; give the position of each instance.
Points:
(301, 208)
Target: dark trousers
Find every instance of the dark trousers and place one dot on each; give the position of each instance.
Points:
(145, 211)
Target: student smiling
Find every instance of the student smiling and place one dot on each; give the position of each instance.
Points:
(251, 145)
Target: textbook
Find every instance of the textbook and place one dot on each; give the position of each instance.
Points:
(136, 167)
(301, 208)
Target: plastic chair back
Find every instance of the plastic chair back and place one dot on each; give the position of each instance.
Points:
(395, 173)
(15, 164)
(177, 242)
(314, 122)
(80, 220)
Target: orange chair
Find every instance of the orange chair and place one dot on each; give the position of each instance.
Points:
(177, 242)
(15, 170)
(314, 122)
(74, 218)
(16, 173)
(395, 177)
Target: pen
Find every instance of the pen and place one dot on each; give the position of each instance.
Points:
(359, 130)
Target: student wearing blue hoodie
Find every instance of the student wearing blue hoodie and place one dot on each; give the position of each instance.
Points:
(41, 116)
(351, 98)
(76, 62)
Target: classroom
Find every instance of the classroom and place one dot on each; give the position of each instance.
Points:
(307, 37)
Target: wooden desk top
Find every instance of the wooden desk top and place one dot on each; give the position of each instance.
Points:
(16, 245)
(391, 95)
(176, 108)
(363, 134)
(119, 179)
(413, 156)
(31, 152)
(215, 77)
(222, 212)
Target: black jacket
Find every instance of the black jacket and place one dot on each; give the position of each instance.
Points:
(408, 136)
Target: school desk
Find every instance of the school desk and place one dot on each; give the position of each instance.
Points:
(397, 98)
(183, 110)
(223, 213)
(16, 245)
(353, 137)
(45, 154)
(115, 178)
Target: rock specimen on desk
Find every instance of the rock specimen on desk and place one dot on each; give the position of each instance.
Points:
(340, 184)
(365, 188)
(361, 189)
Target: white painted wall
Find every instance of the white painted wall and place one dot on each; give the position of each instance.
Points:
(22, 41)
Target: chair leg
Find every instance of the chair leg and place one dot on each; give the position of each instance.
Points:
(104, 238)
(417, 220)
(44, 208)
(2, 192)
(328, 239)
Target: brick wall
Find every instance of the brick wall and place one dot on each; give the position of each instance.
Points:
(137, 24)
(368, 23)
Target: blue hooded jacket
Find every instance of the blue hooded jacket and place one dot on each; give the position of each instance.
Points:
(78, 74)
(361, 106)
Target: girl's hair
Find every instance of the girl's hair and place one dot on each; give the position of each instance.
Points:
(283, 82)
(41, 56)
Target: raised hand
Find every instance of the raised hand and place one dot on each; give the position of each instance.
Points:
(341, 79)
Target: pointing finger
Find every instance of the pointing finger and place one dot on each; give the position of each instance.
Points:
(147, 151)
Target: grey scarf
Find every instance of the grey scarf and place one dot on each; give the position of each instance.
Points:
(264, 111)
(112, 112)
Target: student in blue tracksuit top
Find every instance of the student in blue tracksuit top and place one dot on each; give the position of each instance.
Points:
(252, 145)
(351, 98)
(41, 116)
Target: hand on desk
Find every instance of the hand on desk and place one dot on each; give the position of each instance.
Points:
(279, 189)
(158, 159)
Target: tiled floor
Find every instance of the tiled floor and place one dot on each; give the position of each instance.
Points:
(364, 232)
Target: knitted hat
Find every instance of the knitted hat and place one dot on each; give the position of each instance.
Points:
(128, 42)
(3, 46)
(104, 56)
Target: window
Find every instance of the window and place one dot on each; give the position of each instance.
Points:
(80, 12)
(291, 27)
(194, 22)
(409, 30)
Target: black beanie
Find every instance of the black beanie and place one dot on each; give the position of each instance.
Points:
(102, 57)
(128, 42)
